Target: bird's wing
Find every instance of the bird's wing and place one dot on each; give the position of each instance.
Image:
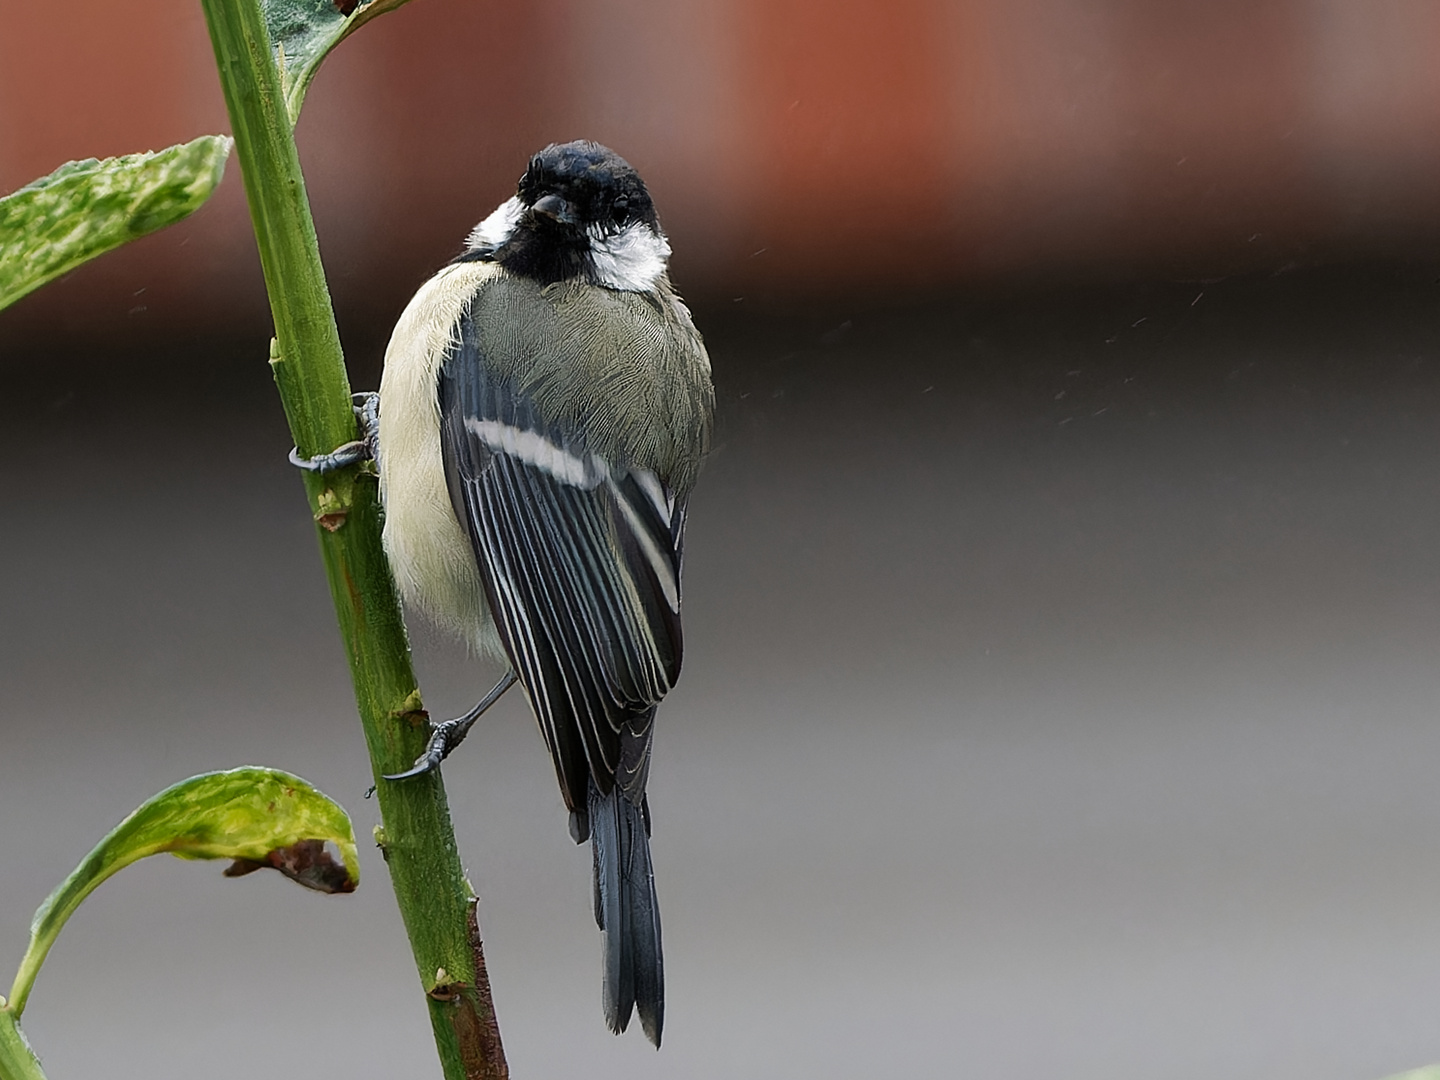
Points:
(580, 559)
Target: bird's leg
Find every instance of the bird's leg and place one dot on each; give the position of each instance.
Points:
(367, 415)
(448, 734)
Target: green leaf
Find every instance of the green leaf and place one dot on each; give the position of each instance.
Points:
(86, 208)
(303, 33)
(17, 1060)
(256, 816)
(1429, 1072)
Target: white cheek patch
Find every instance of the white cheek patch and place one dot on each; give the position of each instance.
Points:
(630, 260)
(496, 229)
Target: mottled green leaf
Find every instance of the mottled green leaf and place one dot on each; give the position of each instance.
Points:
(256, 816)
(86, 208)
(1429, 1072)
(303, 33)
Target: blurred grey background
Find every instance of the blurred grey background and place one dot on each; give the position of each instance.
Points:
(1062, 593)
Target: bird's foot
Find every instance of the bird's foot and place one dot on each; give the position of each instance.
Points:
(448, 734)
(367, 416)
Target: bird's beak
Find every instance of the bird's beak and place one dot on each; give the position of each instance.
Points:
(554, 208)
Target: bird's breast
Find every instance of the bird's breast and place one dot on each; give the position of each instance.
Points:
(429, 551)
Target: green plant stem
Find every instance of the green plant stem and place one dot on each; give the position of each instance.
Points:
(419, 844)
(17, 1060)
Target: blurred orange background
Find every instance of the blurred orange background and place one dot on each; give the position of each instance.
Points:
(794, 146)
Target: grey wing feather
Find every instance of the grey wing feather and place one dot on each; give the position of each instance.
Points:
(580, 560)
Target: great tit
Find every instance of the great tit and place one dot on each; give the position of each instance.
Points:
(544, 410)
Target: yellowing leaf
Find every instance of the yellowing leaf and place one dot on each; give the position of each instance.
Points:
(256, 816)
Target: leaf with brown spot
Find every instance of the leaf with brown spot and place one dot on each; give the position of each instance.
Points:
(252, 815)
(308, 863)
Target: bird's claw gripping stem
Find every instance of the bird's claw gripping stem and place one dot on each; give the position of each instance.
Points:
(448, 734)
(367, 416)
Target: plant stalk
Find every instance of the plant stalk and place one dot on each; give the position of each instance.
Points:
(417, 838)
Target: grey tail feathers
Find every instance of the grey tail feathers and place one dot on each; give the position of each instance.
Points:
(625, 909)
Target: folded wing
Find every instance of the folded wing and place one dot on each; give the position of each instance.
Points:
(580, 559)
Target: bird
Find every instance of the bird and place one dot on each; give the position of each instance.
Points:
(544, 410)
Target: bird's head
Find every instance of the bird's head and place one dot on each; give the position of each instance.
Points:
(579, 212)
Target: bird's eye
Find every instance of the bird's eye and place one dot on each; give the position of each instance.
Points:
(620, 209)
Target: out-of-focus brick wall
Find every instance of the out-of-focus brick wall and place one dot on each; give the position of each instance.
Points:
(792, 144)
